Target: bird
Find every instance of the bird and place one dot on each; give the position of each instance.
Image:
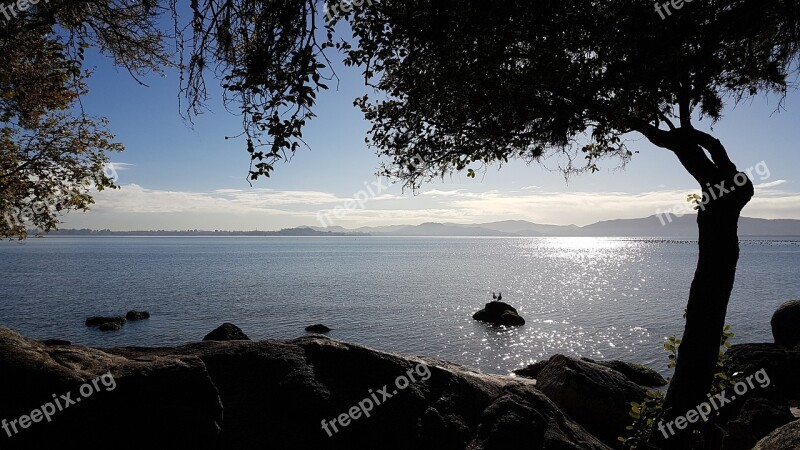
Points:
(494, 296)
(499, 296)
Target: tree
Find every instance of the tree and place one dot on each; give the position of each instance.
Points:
(462, 83)
(52, 153)
(459, 83)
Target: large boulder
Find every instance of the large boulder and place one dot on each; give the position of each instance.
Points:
(531, 370)
(523, 418)
(757, 418)
(778, 366)
(87, 398)
(784, 438)
(595, 396)
(639, 374)
(499, 313)
(786, 324)
(227, 332)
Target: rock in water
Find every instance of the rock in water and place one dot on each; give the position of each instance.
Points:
(227, 332)
(110, 326)
(96, 321)
(786, 324)
(318, 328)
(499, 313)
(137, 315)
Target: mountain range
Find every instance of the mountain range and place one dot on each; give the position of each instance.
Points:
(653, 226)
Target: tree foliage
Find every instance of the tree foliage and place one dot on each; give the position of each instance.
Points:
(52, 153)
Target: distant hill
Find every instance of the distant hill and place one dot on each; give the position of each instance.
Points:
(653, 226)
(440, 229)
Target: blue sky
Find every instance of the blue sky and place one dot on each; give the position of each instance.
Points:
(175, 176)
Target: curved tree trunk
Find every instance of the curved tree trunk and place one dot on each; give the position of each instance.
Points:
(708, 302)
(725, 192)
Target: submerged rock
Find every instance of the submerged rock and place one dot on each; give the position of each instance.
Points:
(499, 313)
(318, 328)
(227, 332)
(96, 321)
(137, 315)
(110, 326)
(786, 324)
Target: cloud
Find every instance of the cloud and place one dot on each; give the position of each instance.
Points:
(769, 185)
(136, 207)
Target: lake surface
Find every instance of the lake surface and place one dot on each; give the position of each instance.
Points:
(595, 297)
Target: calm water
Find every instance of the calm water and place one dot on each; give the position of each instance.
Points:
(602, 298)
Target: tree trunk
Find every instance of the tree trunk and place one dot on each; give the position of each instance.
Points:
(709, 294)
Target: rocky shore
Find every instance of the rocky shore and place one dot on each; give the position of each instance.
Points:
(241, 394)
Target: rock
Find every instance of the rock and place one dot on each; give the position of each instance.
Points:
(110, 326)
(595, 396)
(96, 321)
(758, 418)
(56, 342)
(532, 370)
(522, 418)
(137, 315)
(499, 313)
(227, 332)
(639, 374)
(169, 398)
(277, 393)
(771, 362)
(784, 438)
(786, 324)
(318, 328)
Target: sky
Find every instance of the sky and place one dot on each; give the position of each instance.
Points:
(177, 176)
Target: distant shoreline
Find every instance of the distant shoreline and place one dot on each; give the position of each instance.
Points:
(684, 227)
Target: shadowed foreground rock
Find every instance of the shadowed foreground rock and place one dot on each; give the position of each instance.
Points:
(784, 438)
(274, 395)
(169, 399)
(595, 396)
(785, 324)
